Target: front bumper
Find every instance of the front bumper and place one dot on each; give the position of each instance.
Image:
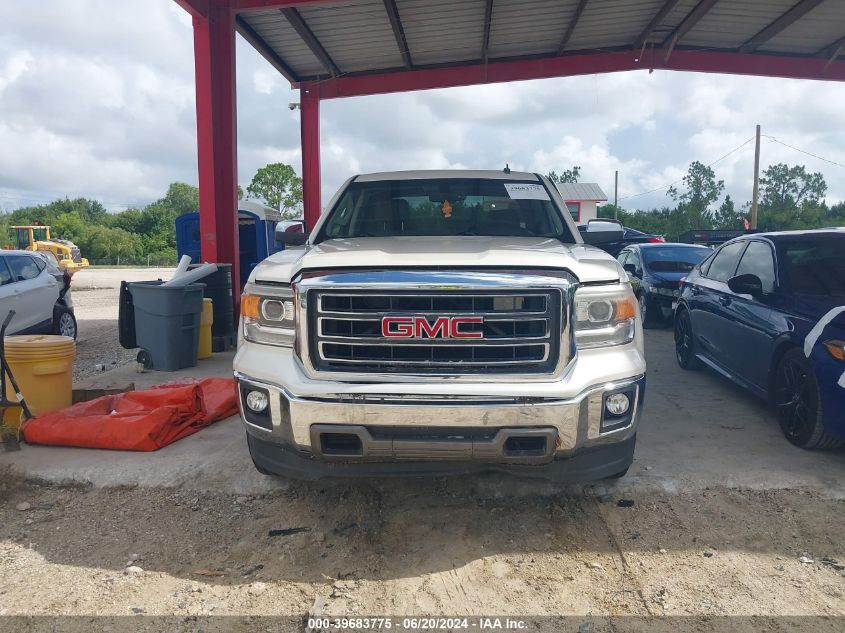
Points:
(591, 464)
(430, 426)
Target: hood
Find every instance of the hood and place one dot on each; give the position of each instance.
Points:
(814, 307)
(587, 263)
(668, 278)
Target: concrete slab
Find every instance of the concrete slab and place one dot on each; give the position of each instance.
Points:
(698, 431)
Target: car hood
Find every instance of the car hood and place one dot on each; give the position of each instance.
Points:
(588, 263)
(814, 308)
(667, 278)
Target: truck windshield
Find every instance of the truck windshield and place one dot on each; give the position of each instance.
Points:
(445, 207)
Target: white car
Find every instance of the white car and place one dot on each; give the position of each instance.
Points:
(32, 285)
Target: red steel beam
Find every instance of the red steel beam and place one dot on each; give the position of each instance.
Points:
(571, 65)
(214, 59)
(309, 104)
(197, 8)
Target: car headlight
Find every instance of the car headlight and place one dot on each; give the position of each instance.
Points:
(269, 314)
(604, 315)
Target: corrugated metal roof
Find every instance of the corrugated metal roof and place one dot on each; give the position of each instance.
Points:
(358, 36)
(572, 191)
(728, 25)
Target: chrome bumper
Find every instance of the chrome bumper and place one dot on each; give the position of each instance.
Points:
(570, 423)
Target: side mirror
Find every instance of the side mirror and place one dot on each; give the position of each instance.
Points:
(291, 239)
(746, 285)
(602, 237)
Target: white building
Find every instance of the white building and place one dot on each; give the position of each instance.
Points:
(582, 199)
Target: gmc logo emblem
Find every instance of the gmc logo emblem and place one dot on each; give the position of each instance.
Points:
(420, 327)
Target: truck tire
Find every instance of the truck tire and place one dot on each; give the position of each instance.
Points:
(795, 394)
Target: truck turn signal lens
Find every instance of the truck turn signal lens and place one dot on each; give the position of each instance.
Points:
(249, 306)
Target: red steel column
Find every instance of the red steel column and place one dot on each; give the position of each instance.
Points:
(214, 58)
(309, 104)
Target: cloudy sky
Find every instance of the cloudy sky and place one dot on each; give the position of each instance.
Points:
(97, 100)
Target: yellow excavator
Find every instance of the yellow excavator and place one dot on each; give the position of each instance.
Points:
(37, 238)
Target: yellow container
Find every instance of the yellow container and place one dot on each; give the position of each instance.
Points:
(206, 321)
(42, 365)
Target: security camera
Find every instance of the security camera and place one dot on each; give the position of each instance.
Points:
(293, 106)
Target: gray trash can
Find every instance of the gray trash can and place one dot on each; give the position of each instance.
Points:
(167, 324)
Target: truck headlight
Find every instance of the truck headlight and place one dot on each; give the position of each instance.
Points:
(604, 315)
(268, 314)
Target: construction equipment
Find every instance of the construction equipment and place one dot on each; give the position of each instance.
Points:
(37, 238)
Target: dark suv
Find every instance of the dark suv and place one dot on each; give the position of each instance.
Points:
(768, 311)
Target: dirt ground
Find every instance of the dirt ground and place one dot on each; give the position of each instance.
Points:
(418, 547)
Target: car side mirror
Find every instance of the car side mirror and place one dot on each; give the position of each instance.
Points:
(291, 239)
(631, 269)
(747, 284)
(602, 237)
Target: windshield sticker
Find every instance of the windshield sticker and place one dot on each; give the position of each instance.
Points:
(519, 191)
(446, 209)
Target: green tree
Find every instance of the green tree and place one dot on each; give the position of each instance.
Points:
(727, 216)
(279, 187)
(181, 198)
(567, 175)
(102, 242)
(701, 189)
(791, 198)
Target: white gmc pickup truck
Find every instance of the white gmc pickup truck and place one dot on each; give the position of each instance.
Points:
(441, 322)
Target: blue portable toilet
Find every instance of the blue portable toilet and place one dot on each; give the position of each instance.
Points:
(256, 234)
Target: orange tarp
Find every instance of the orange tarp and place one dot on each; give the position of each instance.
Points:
(137, 420)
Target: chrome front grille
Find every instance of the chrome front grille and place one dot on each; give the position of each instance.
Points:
(524, 330)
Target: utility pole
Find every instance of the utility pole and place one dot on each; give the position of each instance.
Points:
(756, 191)
(616, 195)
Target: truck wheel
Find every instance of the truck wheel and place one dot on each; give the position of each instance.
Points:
(798, 403)
(685, 341)
(64, 323)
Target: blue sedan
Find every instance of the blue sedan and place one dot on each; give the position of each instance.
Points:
(768, 312)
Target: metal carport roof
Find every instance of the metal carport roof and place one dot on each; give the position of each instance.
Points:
(334, 43)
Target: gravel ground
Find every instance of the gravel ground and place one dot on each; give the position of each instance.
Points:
(95, 298)
(420, 547)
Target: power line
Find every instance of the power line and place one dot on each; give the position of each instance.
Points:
(735, 149)
(827, 160)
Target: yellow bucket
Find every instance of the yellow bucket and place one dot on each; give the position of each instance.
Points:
(42, 365)
(206, 321)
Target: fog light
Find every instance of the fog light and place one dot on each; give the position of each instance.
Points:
(257, 401)
(617, 403)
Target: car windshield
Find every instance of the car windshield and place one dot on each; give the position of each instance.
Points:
(445, 207)
(673, 259)
(816, 265)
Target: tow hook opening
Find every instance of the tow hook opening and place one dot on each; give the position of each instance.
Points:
(517, 446)
(341, 444)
